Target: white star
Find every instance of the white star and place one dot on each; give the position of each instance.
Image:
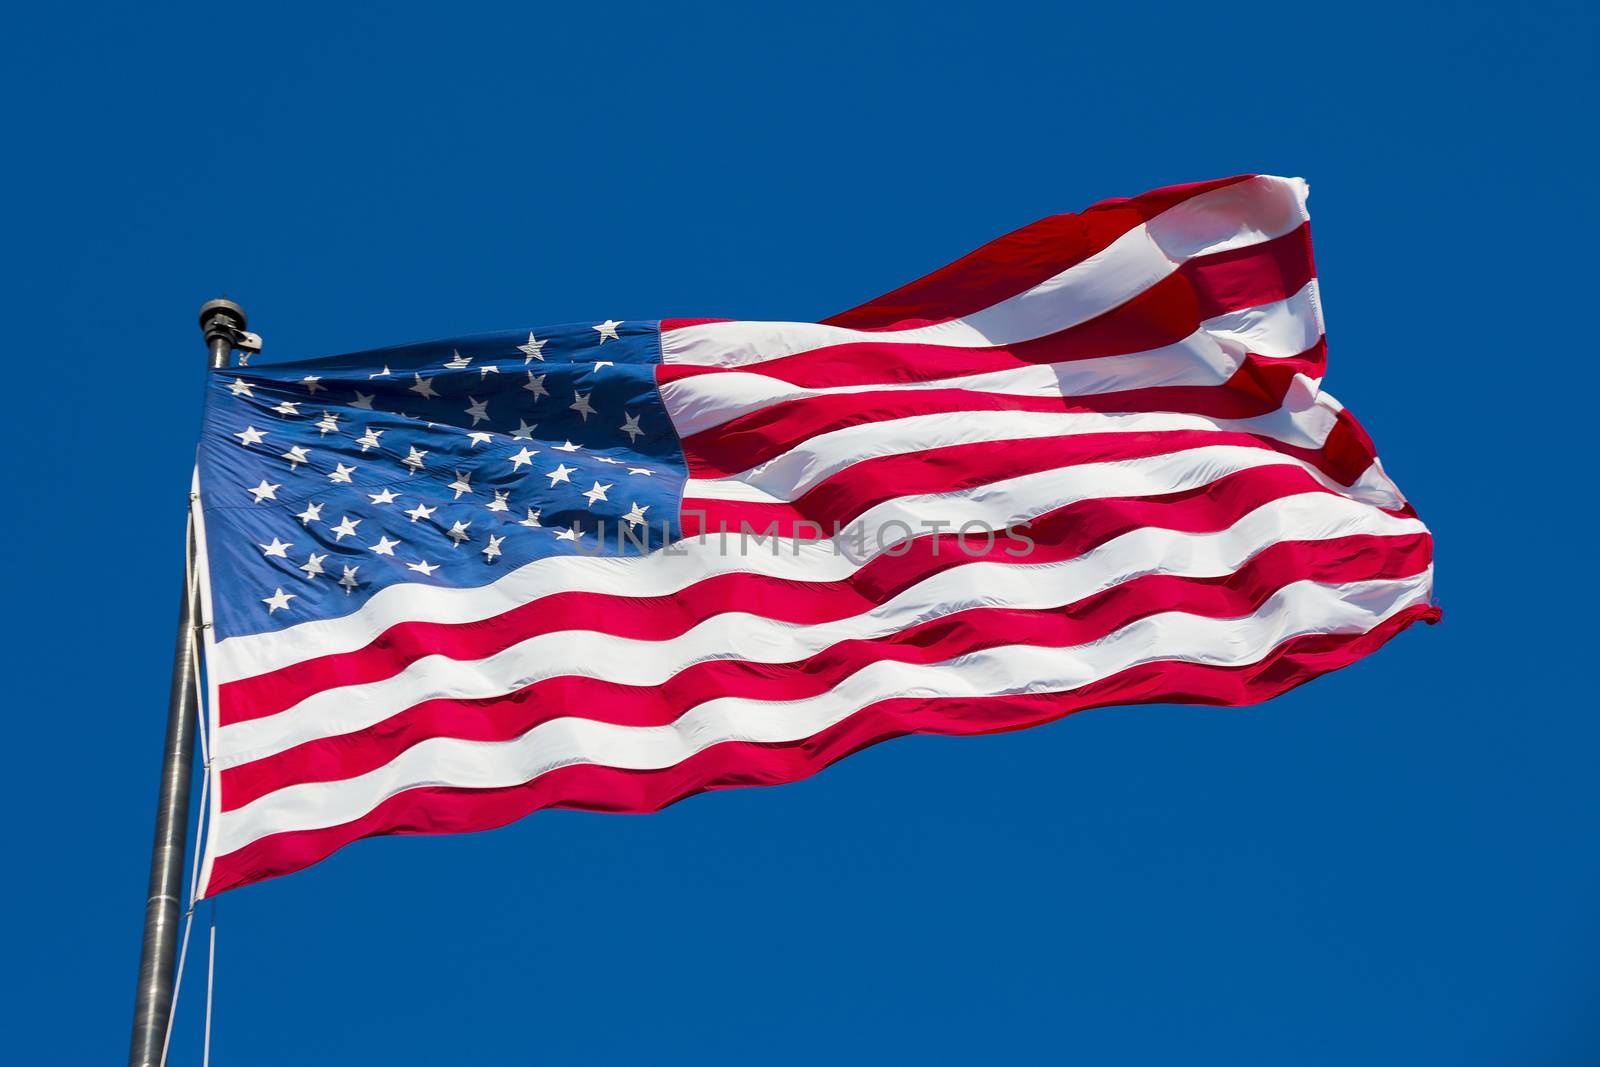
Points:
(313, 384)
(414, 460)
(383, 496)
(533, 350)
(636, 516)
(249, 436)
(384, 547)
(349, 579)
(341, 473)
(462, 484)
(492, 550)
(313, 564)
(277, 548)
(608, 330)
(524, 430)
(608, 459)
(535, 385)
(458, 532)
(596, 492)
(570, 535)
(562, 473)
(265, 491)
(369, 438)
(580, 404)
(329, 423)
(240, 387)
(278, 599)
(522, 459)
(421, 511)
(458, 362)
(384, 373)
(423, 386)
(630, 426)
(363, 400)
(478, 409)
(499, 501)
(567, 447)
(288, 407)
(531, 520)
(424, 568)
(296, 456)
(480, 437)
(313, 512)
(346, 528)
(646, 471)
(486, 370)
(602, 364)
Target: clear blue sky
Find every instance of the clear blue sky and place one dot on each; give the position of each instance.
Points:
(1395, 865)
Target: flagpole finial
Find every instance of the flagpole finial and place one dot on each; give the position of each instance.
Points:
(224, 324)
(212, 310)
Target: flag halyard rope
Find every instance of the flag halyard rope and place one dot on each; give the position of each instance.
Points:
(191, 585)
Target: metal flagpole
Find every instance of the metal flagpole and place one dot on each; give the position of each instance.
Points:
(223, 322)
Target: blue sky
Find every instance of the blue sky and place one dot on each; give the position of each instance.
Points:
(1393, 865)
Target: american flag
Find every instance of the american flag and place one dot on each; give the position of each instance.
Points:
(609, 565)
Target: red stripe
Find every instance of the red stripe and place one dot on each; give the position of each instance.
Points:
(1065, 533)
(843, 497)
(745, 441)
(504, 718)
(1161, 315)
(593, 788)
(1016, 262)
(667, 325)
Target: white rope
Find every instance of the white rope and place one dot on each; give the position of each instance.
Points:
(191, 588)
(202, 720)
(201, 727)
(192, 585)
(194, 654)
(211, 972)
(177, 984)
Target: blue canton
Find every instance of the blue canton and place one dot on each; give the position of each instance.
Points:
(446, 463)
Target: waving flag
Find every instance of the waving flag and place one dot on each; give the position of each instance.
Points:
(609, 565)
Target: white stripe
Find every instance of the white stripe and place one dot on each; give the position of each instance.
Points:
(1295, 610)
(757, 639)
(999, 504)
(1305, 419)
(1235, 216)
(1279, 329)
(1209, 356)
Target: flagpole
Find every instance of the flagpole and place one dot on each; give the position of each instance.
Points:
(223, 322)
